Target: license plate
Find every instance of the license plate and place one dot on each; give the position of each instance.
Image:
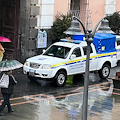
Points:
(31, 73)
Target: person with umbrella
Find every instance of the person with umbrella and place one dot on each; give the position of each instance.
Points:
(6, 67)
(7, 92)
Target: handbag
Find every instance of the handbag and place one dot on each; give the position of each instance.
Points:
(4, 81)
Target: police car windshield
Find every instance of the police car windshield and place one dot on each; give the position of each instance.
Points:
(58, 51)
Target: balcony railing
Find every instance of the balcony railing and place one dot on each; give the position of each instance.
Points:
(75, 13)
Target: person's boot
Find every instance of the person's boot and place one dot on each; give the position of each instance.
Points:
(10, 111)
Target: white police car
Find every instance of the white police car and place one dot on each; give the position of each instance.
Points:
(69, 58)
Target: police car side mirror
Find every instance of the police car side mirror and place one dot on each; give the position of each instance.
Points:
(73, 56)
(43, 50)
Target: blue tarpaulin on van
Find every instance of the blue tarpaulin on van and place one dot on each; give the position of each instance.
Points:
(104, 42)
(78, 37)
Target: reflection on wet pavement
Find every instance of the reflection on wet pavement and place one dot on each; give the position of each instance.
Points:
(42, 101)
(101, 104)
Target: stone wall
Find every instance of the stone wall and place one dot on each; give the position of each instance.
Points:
(28, 29)
(34, 11)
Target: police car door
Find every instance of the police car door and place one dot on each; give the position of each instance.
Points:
(74, 64)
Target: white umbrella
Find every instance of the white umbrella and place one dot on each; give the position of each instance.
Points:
(10, 65)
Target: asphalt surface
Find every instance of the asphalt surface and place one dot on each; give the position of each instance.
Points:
(43, 101)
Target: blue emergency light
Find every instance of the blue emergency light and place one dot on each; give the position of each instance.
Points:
(72, 41)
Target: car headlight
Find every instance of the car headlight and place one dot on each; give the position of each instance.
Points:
(26, 63)
(46, 66)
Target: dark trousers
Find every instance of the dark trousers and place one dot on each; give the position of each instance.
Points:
(6, 101)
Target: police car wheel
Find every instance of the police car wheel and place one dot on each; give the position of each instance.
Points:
(105, 71)
(60, 78)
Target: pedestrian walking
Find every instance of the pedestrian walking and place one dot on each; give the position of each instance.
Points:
(7, 92)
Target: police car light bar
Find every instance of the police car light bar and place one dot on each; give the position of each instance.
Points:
(70, 40)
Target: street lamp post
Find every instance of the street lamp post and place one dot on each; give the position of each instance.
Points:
(89, 40)
(89, 35)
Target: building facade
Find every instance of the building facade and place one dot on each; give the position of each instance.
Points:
(21, 20)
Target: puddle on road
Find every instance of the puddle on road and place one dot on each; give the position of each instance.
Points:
(101, 104)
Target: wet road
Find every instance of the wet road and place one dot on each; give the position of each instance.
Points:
(42, 101)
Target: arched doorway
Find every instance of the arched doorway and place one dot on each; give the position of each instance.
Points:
(9, 25)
